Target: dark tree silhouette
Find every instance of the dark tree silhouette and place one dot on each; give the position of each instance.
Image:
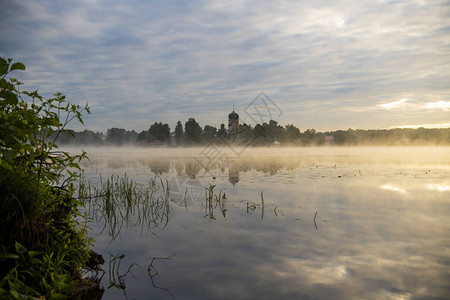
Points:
(193, 131)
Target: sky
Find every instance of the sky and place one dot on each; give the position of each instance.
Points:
(322, 64)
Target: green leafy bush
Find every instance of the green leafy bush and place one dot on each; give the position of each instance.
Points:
(42, 247)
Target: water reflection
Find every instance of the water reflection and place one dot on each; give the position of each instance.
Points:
(153, 273)
(393, 188)
(342, 225)
(439, 187)
(233, 174)
(191, 168)
(159, 166)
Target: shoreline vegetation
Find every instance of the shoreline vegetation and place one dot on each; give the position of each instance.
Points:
(266, 134)
(45, 252)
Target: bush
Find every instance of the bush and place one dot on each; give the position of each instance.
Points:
(42, 247)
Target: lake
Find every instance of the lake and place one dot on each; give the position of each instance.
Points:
(295, 223)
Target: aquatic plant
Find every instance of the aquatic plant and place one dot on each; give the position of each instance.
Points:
(121, 201)
(252, 206)
(315, 224)
(213, 201)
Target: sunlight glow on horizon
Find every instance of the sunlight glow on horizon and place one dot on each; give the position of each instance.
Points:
(429, 126)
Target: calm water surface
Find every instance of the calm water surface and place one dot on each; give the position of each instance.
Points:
(307, 223)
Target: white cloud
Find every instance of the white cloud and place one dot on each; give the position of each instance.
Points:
(444, 105)
(393, 105)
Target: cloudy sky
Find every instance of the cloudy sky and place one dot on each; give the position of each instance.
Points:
(326, 65)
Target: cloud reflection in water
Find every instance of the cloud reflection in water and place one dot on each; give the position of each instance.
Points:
(370, 243)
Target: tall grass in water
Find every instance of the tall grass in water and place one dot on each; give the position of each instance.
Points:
(213, 201)
(121, 201)
(252, 206)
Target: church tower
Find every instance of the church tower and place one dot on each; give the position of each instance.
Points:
(233, 122)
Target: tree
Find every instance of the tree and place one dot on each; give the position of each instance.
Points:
(179, 133)
(275, 132)
(88, 137)
(131, 137)
(120, 136)
(159, 132)
(222, 130)
(308, 136)
(269, 132)
(208, 133)
(260, 132)
(193, 131)
(143, 137)
(116, 136)
(292, 133)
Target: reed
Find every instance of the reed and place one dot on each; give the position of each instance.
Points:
(315, 224)
(212, 201)
(253, 206)
(120, 202)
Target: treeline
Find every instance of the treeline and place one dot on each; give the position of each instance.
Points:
(265, 134)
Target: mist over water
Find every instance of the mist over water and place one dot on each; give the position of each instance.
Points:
(420, 155)
(297, 223)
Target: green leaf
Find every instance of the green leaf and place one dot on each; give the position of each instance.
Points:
(48, 287)
(34, 253)
(4, 256)
(20, 248)
(17, 66)
(62, 283)
(3, 66)
(3, 293)
(17, 295)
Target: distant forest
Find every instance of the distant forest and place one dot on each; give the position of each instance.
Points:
(265, 134)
